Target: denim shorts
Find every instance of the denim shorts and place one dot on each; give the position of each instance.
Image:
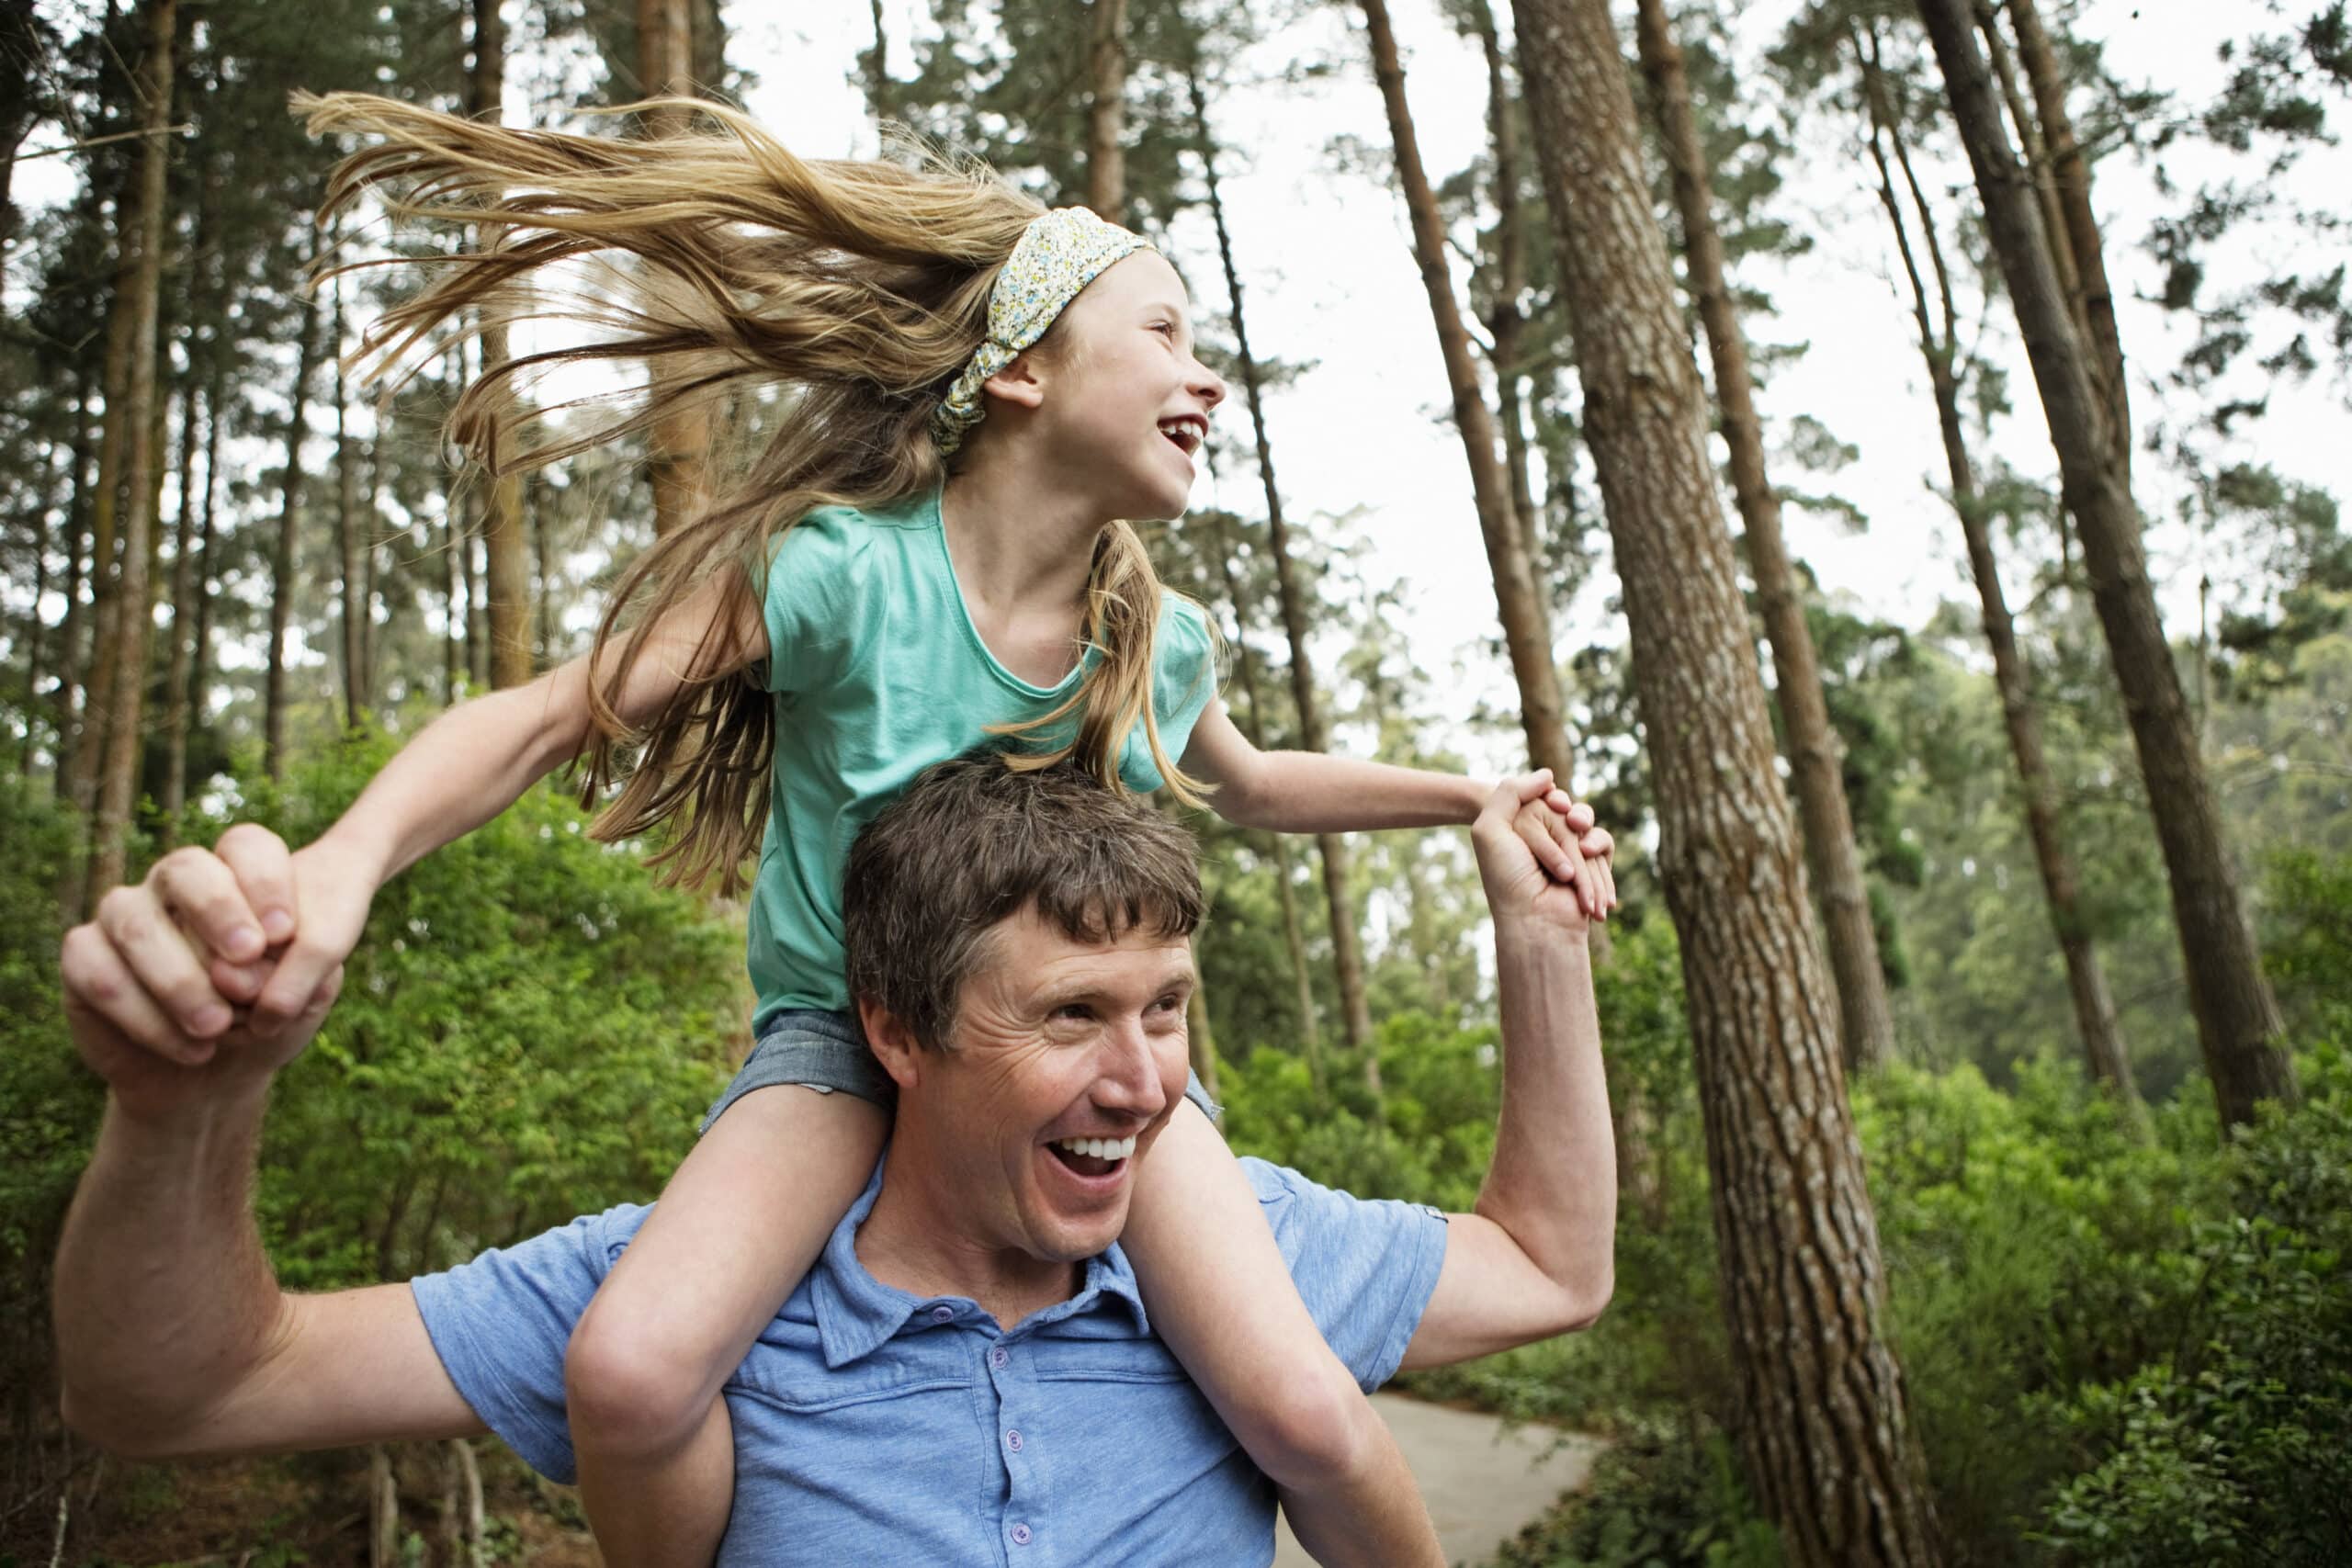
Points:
(827, 1051)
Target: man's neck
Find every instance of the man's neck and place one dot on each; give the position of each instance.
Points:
(916, 1239)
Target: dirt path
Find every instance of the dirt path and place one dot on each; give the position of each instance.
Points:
(1483, 1484)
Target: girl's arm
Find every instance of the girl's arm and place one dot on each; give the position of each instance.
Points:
(1309, 792)
(471, 763)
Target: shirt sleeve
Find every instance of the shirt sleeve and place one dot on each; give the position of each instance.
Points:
(810, 595)
(1183, 679)
(1364, 1267)
(501, 1325)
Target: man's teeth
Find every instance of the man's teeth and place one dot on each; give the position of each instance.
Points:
(1099, 1148)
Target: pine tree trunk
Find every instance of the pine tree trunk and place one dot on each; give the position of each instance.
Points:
(2103, 1048)
(2237, 1019)
(2070, 174)
(1107, 109)
(1836, 863)
(1347, 949)
(183, 564)
(1245, 669)
(83, 741)
(143, 477)
(78, 507)
(1200, 1038)
(1527, 629)
(1823, 1425)
(346, 536)
(282, 586)
(2037, 154)
(503, 545)
(1507, 323)
(678, 446)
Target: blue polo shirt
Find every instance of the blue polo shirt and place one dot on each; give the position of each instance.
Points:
(872, 1425)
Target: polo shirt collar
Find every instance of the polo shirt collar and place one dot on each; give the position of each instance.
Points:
(856, 1314)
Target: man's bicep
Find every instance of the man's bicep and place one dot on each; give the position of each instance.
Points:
(349, 1367)
(1490, 1296)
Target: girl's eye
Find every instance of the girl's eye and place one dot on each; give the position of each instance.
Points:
(1167, 327)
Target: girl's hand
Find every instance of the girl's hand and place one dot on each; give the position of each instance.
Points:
(1574, 853)
(327, 891)
(1519, 886)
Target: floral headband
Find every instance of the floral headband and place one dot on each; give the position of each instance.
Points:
(1060, 252)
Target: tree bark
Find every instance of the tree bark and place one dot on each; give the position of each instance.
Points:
(142, 476)
(2070, 173)
(282, 586)
(1347, 949)
(78, 507)
(83, 741)
(346, 535)
(1506, 322)
(184, 563)
(678, 446)
(1107, 109)
(2037, 154)
(1527, 628)
(1823, 1426)
(2103, 1047)
(1245, 669)
(1831, 855)
(1200, 1038)
(2237, 1019)
(505, 547)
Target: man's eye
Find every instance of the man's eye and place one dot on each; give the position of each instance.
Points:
(1074, 1010)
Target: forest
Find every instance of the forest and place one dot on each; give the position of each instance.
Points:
(1903, 443)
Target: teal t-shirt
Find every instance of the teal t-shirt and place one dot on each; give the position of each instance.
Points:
(878, 672)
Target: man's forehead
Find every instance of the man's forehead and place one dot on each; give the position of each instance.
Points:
(1028, 949)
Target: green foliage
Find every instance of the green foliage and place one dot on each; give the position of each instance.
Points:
(1668, 1499)
(528, 1029)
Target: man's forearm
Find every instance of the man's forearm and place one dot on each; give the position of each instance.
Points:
(1553, 1182)
(164, 1298)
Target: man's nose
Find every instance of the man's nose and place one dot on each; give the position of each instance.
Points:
(1129, 1076)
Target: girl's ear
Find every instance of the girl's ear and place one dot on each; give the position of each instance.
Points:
(894, 1045)
(1018, 383)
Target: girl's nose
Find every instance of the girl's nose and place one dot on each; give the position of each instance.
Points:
(1208, 386)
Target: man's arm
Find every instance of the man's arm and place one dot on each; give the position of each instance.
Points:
(173, 1339)
(1535, 1258)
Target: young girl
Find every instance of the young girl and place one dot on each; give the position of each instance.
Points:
(930, 551)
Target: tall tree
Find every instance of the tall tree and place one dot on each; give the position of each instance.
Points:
(1254, 725)
(1314, 732)
(1527, 627)
(1507, 316)
(678, 446)
(142, 272)
(1823, 1426)
(503, 545)
(282, 561)
(2069, 178)
(2237, 1019)
(1106, 117)
(1939, 328)
(1867, 1022)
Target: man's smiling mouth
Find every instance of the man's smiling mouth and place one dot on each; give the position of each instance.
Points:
(1094, 1157)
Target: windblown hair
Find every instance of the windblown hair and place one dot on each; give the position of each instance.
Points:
(972, 843)
(724, 264)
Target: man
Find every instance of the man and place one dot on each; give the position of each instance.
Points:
(969, 1373)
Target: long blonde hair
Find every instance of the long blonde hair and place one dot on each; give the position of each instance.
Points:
(860, 286)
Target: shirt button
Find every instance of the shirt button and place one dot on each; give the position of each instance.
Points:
(1021, 1535)
(1012, 1439)
(1000, 1356)
(942, 1313)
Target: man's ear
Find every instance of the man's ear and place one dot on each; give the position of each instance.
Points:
(1019, 383)
(893, 1044)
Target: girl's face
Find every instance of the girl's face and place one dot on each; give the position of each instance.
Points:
(1125, 403)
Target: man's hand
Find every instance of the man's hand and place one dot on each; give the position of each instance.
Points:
(1515, 828)
(164, 990)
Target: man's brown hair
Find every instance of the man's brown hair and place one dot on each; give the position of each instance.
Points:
(972, 843)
